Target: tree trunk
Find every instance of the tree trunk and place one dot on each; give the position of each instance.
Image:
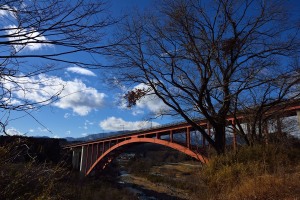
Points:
(220, 138)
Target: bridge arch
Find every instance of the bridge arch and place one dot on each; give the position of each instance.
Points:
(172, 145)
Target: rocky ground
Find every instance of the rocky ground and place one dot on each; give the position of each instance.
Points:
(149, 188)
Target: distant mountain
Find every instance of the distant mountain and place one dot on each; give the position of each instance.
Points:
(41, 137)
(71, 139)
(95, 136)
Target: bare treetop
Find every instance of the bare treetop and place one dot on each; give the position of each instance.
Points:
(59, 31)
(68, 26)
(212, 58)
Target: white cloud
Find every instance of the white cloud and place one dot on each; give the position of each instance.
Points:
(87, 125)
(10, 101)
(13, 131)
(68, 132)
(80, 70)
(6, 11)
(80, 98)
(67, 115)
(118, 124)
(137, 112)
(72, 94)
(87, 122)
(29, 39)
(42, 129)
(150, 102)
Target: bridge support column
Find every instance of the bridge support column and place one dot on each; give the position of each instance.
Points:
(188, 138)
(157, 136)
(234, 135)
(76, 158)
(266, 132)
(97, 150)
(92, 154)
(83, 159)
(171, 136)
(279, 125)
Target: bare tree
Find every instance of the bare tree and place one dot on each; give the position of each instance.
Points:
(209, 59)
(61, 29)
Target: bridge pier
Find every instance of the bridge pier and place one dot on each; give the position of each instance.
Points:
(171, 135)
(188, 138)
(79, 158)
(83, 159)
(76, 158)
(234, 141)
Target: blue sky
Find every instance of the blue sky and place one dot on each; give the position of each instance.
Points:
(87, 104)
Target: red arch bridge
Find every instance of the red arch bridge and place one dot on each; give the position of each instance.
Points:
(97, 154)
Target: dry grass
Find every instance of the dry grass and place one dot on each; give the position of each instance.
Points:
(42, 181)
(261, 172)
(284, 186)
